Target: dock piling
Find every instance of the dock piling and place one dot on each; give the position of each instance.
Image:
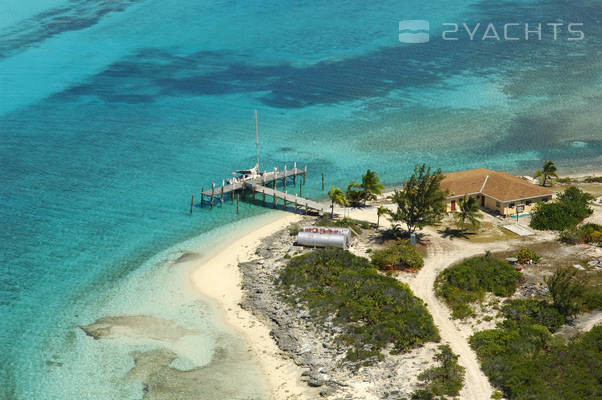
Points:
(191, 204)
(284, 178)
(212, 193)
(304, 173)
(202, 190)
(221, 197)
(237, 199)
(322, 181)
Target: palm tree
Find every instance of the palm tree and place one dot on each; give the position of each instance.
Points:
(371, 185)
(336, 195)
(382, 210)
(469, 210)
(547, 172)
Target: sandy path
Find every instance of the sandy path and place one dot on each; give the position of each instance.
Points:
(441, 255)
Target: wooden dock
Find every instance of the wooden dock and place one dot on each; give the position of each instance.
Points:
(265, 184)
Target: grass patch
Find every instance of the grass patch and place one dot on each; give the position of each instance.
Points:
(486, 232)
(528, 363)
(373, 310)
(469, 281)
(446, 379)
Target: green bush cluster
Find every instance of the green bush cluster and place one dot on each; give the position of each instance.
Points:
(586, 233)
(520, 312)
(526, 362)
(400, 256)
(468, 281)
(445, 379)
(526, 255)
(591, 298)
(346, 222)
(373, 310)
(593, 179)
(570, 208)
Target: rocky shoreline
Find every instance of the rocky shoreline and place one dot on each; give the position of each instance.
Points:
(313, 346)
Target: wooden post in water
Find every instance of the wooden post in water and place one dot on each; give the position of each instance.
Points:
(191, 204)
(275, 178)
(300, 189)
(237, 199)
(295, 175)
(202, 190)
(212, 192)
(263, 191)
(274, 197)
(284, 198)
(304, 173)
(221, 197)
(284, 178)
(322, 180)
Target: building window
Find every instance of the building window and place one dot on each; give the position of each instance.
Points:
(545, 199)
(511, 205)
(528, 202)
(498, 204)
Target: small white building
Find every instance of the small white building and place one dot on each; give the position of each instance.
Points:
(323, 236)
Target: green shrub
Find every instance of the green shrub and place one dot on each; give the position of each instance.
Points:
(468, 281)
(553, 216)
(400, 256)
(354, 224)
(586, 233)
(293, 230)
(526, 255)
(570, 208)
(373, 310)
(593, 179)
(566, 179)
(445, 379)
(525, 363)
(591, 298)
(521, 312)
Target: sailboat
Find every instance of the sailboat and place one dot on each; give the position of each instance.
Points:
(251, 173)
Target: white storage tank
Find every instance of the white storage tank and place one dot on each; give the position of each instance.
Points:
(318, 236)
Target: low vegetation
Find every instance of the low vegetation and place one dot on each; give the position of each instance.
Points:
(446, 379)
(355, 225)
(571, 207)
(469, 281)
(373, 310)
(586, 233)
(523, 312)
(565, 289)
(527, 256)
(593, 179)
(527, 362)
(401, 256)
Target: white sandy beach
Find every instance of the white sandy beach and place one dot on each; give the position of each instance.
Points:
(219, 279)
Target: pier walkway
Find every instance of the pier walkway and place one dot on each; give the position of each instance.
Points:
(265, 184)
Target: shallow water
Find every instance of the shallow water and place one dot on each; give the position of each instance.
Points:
(113, 113)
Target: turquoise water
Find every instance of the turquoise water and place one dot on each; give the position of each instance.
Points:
(112, 113)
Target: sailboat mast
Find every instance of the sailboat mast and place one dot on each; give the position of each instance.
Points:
(257, 138)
